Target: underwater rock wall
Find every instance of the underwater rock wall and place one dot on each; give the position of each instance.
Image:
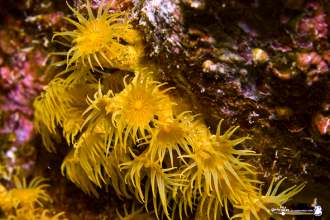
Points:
(258, 64)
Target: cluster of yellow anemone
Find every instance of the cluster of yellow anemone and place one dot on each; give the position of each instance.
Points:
(124, 131)
(25, 201)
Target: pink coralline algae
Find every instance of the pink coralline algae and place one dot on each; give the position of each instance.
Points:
(315, 25)
(309, 43)
(19, 85)
(322, 124)
(113, 5)
(313, 65)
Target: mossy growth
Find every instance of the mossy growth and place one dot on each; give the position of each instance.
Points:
(126, 133)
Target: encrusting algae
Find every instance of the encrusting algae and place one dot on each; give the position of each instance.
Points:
(130, 137)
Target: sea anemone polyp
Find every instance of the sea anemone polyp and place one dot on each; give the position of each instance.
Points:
(171, 138)
(225, 144)
(214, 171)
(210, 172)
(160, 181)
(257, 206)
(141, 104)
(24, 194)
(104, 40)
(26, 200)
(72, 169)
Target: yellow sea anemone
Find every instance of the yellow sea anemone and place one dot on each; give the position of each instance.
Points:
(78, 76)
(47, 215)
(205, 170)
(199, 132)
(100, 106)
(225, 145)
(80, 84)
(104, 40)
(91, 151)
(184, 200)
(210, 172)
(210, 207)
(51, 109)
(35, 214)
(27, 195)
(134, 214)
(139, 106)
(99, 113)
(159, 180)
(214, 167)
(168, 136)
(72, 169)
(257, 206)
(72, 124)
(60, 105)
(6, 203)
(117, 179)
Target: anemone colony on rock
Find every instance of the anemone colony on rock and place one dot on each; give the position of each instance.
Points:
(133, 135)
